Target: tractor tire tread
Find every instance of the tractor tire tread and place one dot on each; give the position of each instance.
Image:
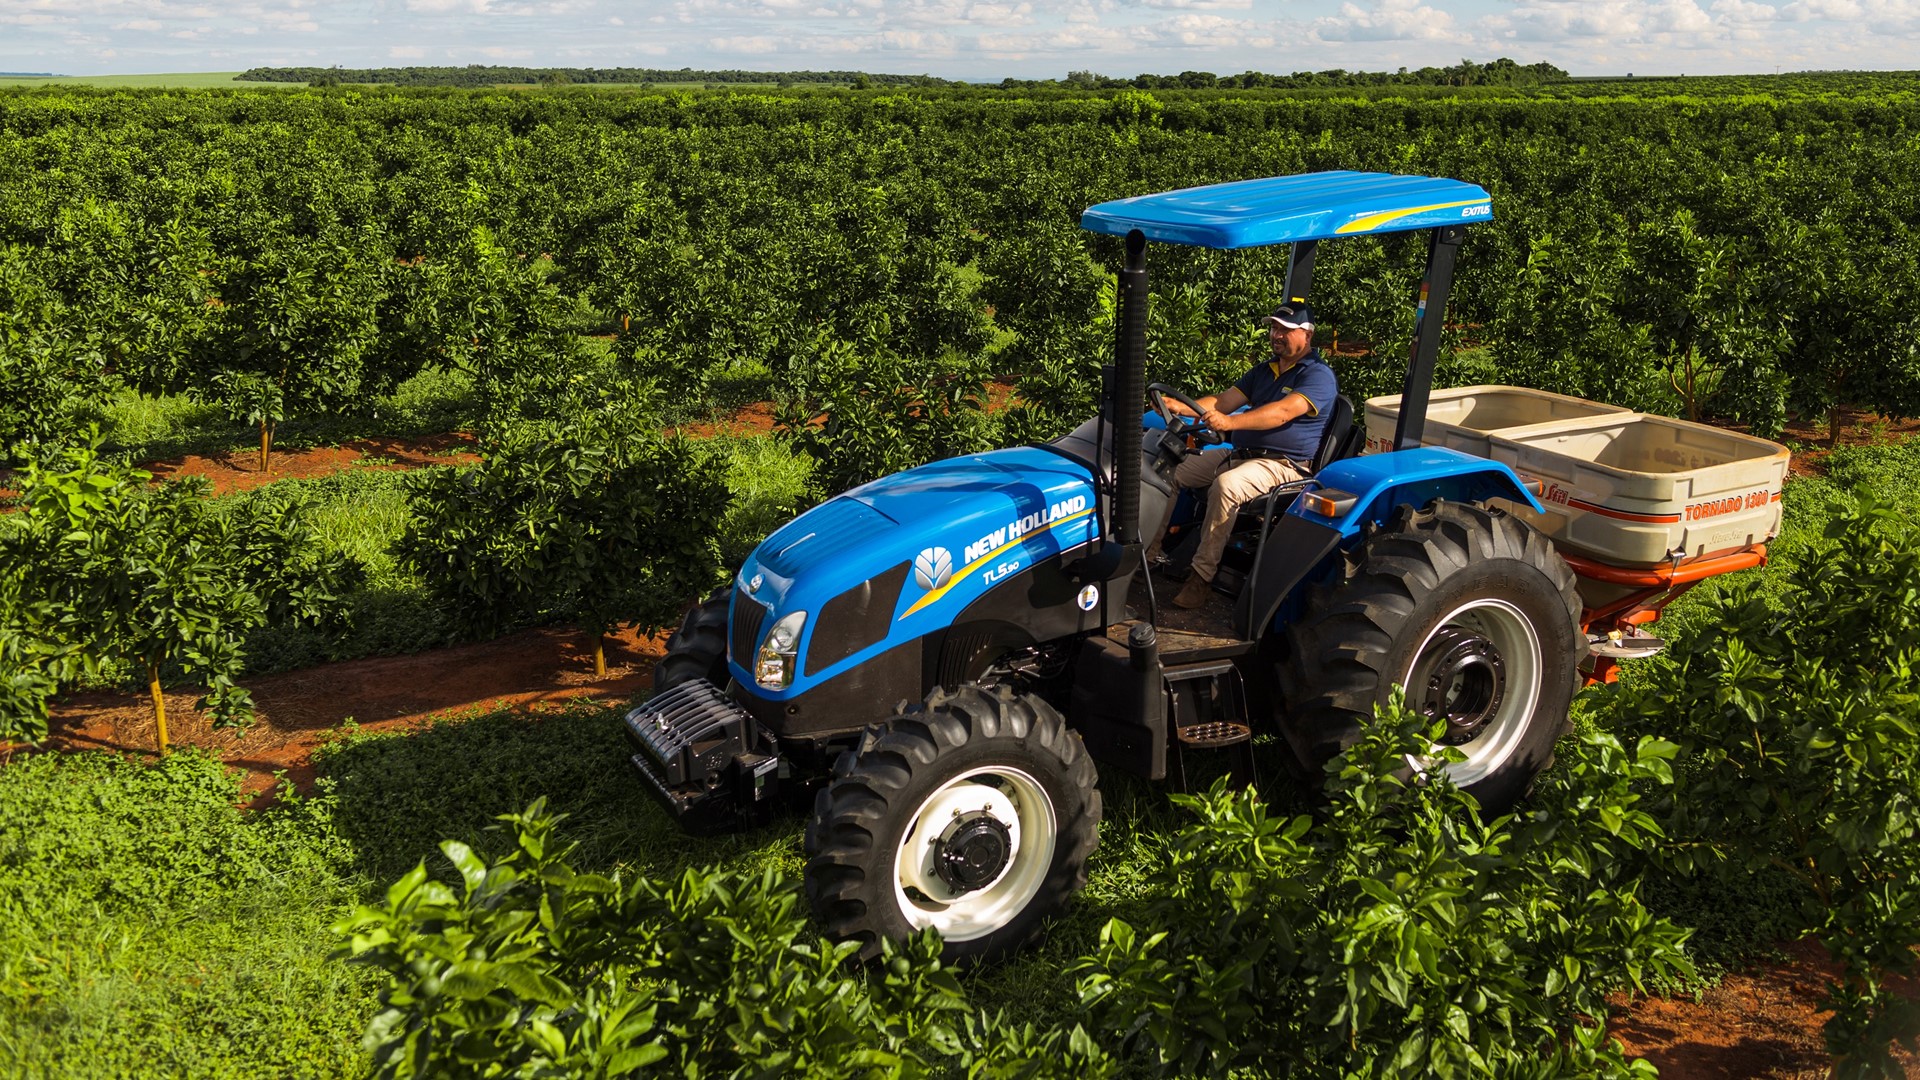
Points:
(698, 650)
(849, 860)
(1340, 662)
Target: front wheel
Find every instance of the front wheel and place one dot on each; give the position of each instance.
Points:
(973, 814)
(1475, 614)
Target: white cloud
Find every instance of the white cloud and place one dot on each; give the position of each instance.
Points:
(1198, 5)
(986, 39)
(443, 7)
(1389, 20)
(1672, 23)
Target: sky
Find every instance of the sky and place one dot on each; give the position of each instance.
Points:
(963, 39)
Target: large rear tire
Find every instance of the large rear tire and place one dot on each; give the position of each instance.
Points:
(973, 814)
(698, 650)
(1474, 613)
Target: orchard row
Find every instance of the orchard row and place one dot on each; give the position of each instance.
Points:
(296, 254)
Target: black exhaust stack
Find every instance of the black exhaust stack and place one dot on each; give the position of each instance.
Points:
(1130, 356)
(1123, 387)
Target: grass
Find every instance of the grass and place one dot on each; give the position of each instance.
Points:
(152, 928)
(141, 429)
(149, 928)
(361, 514)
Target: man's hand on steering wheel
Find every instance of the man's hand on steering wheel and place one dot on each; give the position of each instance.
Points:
(1179, 424)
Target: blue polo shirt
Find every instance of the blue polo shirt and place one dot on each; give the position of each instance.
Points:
(1312, 379)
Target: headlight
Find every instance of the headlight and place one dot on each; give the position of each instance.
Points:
(773, 665)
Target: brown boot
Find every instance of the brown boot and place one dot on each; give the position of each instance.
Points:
(1195, 594)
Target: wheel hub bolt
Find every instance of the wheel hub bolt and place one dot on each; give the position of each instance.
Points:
(973, 854)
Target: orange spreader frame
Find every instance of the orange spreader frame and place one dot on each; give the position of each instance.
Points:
(1654, 588)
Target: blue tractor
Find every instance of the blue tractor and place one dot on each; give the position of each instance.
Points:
(939, 657)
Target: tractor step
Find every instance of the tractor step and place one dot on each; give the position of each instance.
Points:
(1215, 735)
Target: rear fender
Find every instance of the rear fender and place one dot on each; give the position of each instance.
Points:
(1304, 543)
(1381, 482)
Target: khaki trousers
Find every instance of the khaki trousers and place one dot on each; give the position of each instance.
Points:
(1231, 484)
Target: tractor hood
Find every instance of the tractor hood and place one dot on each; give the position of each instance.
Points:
(895, 559)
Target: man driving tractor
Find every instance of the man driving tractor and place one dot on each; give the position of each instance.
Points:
(1290, 397)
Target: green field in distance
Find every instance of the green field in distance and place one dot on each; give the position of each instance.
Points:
(195, 80)
(180, 80)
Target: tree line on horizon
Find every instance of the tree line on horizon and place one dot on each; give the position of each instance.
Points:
(1500, 72)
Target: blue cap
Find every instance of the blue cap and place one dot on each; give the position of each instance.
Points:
(1292, 316)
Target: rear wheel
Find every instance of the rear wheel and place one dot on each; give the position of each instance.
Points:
(973, 814)
(1475, 614)
(698, 650)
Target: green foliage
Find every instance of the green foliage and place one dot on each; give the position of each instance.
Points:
(597, 514)
(767, 484)
(119, 572)
(1720, 326)
(149, 927)
(105, 574)
(296, 326)
(1561, 328)
(360, 237)
(48, 374)
(861, 417)
(270, 537)
(495, 314)
(534, 969)
(1799, 722)
(1398, 934)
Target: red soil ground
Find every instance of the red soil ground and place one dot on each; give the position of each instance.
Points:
(300, 710)
(1859, 427)
(1760, 1023)
(755, 419)
(1763, 1023)
(239, 470)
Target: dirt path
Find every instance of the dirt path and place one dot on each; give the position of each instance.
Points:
(239, 470)
(299, 710)
(1763, 1023)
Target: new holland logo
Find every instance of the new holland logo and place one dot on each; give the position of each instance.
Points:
(932, 567)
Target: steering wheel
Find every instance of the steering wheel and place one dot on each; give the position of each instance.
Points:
(1180, 426)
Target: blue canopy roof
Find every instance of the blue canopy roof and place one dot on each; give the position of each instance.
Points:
(1283, 209)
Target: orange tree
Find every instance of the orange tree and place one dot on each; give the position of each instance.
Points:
(297, 326)
(597, 515)
(130, 576)
(105, 576)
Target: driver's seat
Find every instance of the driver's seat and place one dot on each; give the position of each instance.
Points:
(1341, 439)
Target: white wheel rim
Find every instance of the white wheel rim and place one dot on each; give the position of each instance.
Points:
(1019, 804)
(1517, 644)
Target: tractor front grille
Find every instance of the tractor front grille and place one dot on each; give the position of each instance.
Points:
(748, 615)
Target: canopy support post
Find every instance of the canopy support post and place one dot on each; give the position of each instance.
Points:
(1300, 270)
(1429, 317)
